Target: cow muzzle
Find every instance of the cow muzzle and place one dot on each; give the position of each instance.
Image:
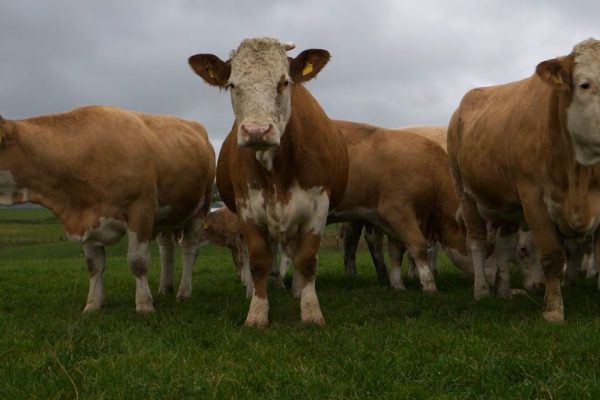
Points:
(257, 136)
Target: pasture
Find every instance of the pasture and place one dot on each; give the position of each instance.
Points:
(378, 343)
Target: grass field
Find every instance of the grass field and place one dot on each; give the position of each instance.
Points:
(378, 343)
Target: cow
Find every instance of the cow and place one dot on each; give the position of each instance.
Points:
(221, 227)
(526, 154)
(105, 173)
(283, 165)
(400, 182)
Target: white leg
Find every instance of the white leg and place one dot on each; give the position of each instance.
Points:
(138, 257)
(258, 314)
(246, 274)
(166, 246)
(480, 286)
(190, 247)
(95, 259)
(426, 277)
(432, 252)
(396, 262)
(309, 304)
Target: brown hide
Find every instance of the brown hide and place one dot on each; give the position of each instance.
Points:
(513, 163)
(401, 167)
(222, 228)
(99, 161)
(312, 153)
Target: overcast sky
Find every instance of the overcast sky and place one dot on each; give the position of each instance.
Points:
(393, 63)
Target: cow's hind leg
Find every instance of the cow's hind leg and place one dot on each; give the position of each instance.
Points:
(396, 252)
(350, 231)
(506, 243)
(166, 246)
(374, 239)
(190, 247)
(405, 228)
(95, 258)
(478, 244)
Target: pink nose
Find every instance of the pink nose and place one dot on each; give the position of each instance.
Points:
(257, 135)
(256, 129)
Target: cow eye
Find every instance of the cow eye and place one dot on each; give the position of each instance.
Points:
(283, 84)
(584, 85)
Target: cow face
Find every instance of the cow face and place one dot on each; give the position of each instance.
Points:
(579, 75)
(259, 76)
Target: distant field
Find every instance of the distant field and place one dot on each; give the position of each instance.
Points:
(378, 343)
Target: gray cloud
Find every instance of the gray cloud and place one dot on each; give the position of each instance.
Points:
(394, 62)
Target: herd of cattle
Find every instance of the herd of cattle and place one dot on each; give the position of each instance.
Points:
(515, 177)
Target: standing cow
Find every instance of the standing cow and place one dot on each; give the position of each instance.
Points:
(282, 167)
(107, 172)
(526, 153)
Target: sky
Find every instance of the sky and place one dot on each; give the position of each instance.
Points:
(394, 63)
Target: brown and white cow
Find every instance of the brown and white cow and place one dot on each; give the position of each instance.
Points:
(527, 153)
(107, 172)
(400, 181)
(222, 227)
(282, 167)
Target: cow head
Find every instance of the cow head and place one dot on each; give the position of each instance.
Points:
(259, 75)
(578, 76)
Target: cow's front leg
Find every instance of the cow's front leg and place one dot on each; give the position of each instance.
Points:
(305, 264)
(260, 259)
(95, 258)
(552, 254)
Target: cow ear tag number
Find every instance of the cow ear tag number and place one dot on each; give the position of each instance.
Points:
(308, 68)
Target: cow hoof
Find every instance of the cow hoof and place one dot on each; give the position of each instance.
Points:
(481, 293)
(256, 322)
(518, 292)
(314, 320)
(183, 297)
(555, 316)
(90, 308)
(144, 308)
(165, 290)
(429, 288)
(398, 286)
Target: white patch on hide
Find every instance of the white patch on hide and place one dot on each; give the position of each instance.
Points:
(9, 190)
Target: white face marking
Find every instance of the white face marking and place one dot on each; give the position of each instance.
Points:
(261, 102)
(305, 212)
(108, 232)
(583, 114)
(10, 191)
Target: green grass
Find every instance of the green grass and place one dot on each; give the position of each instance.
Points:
(378, 343)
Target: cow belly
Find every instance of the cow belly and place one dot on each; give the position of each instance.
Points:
(299, 211)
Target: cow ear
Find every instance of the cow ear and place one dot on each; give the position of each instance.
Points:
(308, 64)
(211, 68)
(556, 73)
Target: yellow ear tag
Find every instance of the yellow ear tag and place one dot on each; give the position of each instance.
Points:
(557, 79)
(308, 68)
(211, 73)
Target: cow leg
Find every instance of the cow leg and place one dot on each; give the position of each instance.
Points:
(574, 257)
(138, 257)
(305, 262)
(506, 243)
(166, 247)
(276, 274)
(477, 242)
(351, 232)
(260, 263)
(95, 258)
(432, 252)
(552, 254)
(374, 238)
(190, 247)
(404, 225)
(396, 252)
